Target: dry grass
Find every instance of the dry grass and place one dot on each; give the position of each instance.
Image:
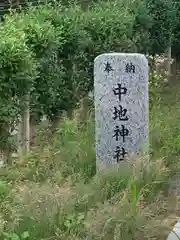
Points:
(108, 207)
(54, 193)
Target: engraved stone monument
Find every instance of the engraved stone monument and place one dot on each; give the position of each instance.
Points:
(121, 106)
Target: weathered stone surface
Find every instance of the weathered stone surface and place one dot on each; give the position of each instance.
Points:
(175, 233)
(120, 114)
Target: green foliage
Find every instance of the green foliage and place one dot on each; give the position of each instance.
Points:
(164, 21)
(45, 43)
(48, 51)
(14, 236)
(156, 83)
(4, 190)
(18, 70)
(175, 41)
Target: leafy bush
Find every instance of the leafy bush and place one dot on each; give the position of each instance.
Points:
(163, 14)
(48, 51)
(18, 70)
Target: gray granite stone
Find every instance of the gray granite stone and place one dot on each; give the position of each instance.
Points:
(175, 233)
(130, 71)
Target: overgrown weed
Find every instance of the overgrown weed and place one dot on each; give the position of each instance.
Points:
(54, 192)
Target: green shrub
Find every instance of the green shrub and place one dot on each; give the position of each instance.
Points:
(48, 51)
(18, 70)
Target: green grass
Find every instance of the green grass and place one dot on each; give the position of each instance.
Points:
(54, 193)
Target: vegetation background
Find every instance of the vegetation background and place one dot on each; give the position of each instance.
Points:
(46, 68)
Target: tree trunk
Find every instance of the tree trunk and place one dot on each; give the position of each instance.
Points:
(84, 109)
(168, 63)
(20, 138)
(56, 122)
(24, 128)
(70, 114)
(26, 124)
